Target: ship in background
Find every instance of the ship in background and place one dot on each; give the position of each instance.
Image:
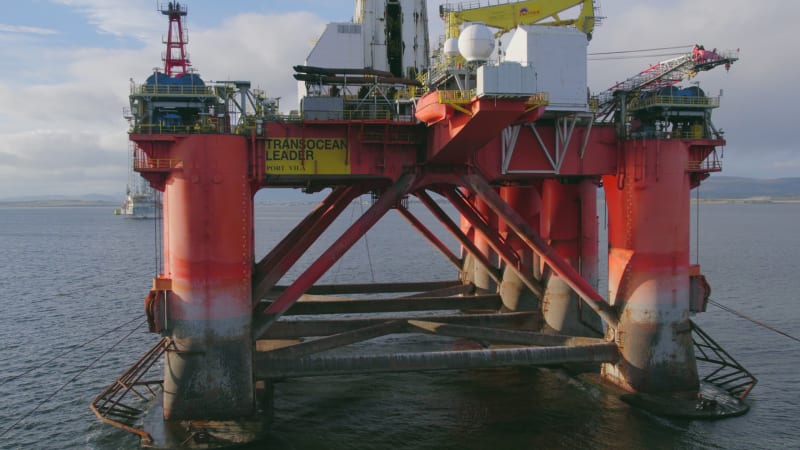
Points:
(141, 201)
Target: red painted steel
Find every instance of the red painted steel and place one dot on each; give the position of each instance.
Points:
(388, 199)
(491, 237)
(275, 265)
(530, 161)
(176, 64)
(208, 256)
(569, 225)
(457, 139)
(458, 232)
(552, 259)
(648, 266)
(432, 238)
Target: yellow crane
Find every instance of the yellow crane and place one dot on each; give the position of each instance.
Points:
(506, 16)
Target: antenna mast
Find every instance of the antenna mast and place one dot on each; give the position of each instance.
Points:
(176, 60)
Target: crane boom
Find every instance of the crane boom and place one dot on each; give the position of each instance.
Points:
(668, 73)
(507, 16)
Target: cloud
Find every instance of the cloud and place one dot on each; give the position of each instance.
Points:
(260, 48)
(66, 134)
(118, 17)
(66, 162)
(26, 30)
(755, 111)
(61, 126)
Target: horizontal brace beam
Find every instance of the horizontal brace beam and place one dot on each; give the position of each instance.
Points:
(447, 360)
(290, 329)
(373, 288)
(336, 340)
(462, 289)
(500, 336)
(357, 306)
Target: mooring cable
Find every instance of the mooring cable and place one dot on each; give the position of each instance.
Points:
(757, 322)
(366, 244)
(75, 377)
(65, 353)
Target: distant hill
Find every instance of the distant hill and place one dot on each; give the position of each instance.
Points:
(714, 188)
(719, 187)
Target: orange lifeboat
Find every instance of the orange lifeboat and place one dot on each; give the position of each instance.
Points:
(431, 111)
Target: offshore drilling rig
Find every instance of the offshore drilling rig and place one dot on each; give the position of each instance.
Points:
(514, 143)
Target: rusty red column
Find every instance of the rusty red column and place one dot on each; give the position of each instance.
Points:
(569, 224)
(473, 272)
(648, 268)
(526, 201)
(208, 256)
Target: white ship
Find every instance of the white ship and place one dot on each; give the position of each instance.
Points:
(139, 205)
(141, 201)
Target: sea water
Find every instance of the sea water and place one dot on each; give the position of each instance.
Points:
(70, 275)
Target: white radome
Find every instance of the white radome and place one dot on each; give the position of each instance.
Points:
(476, 42)
(451, 47)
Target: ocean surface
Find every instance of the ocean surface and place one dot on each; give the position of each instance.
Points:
(73, 280)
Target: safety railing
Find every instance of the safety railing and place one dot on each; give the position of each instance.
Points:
(366, 114)
(173, 90)
(154, 128)
(142, 163)
(539, 99)
(725, 372)
(708, 165)
(698, 133)
(674, 100)
(455, 97)
(123, 403)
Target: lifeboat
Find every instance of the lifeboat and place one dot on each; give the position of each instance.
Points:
(430, 110)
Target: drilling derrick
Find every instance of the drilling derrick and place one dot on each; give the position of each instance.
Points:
(513, 143)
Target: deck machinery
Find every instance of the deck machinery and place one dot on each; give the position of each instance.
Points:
(517, 147)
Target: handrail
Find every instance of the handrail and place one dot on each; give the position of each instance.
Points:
(145, 163)
(173, 90)
(708, 165)
(539, 99)
(726, 373)
(109, 407)
(674, 100)
(455, 97)
(349, 114)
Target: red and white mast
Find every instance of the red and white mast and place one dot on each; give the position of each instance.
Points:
(176, 59)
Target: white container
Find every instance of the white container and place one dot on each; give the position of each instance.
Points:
(507, 79)
(559, 55)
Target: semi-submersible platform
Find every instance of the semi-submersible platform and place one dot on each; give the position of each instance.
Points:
(509, 136)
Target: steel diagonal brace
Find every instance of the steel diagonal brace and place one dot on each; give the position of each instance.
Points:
(462, 239)
(560, 266)
(493, 238)
(432, 238)
(275, 265)
(387, 201)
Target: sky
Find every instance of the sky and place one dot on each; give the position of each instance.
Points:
(66, 68)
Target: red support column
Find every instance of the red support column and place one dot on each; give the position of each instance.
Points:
(648, 267)
(569, 224)
(479, 275)
(524, 232)
(208, 224)
(526, 200)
